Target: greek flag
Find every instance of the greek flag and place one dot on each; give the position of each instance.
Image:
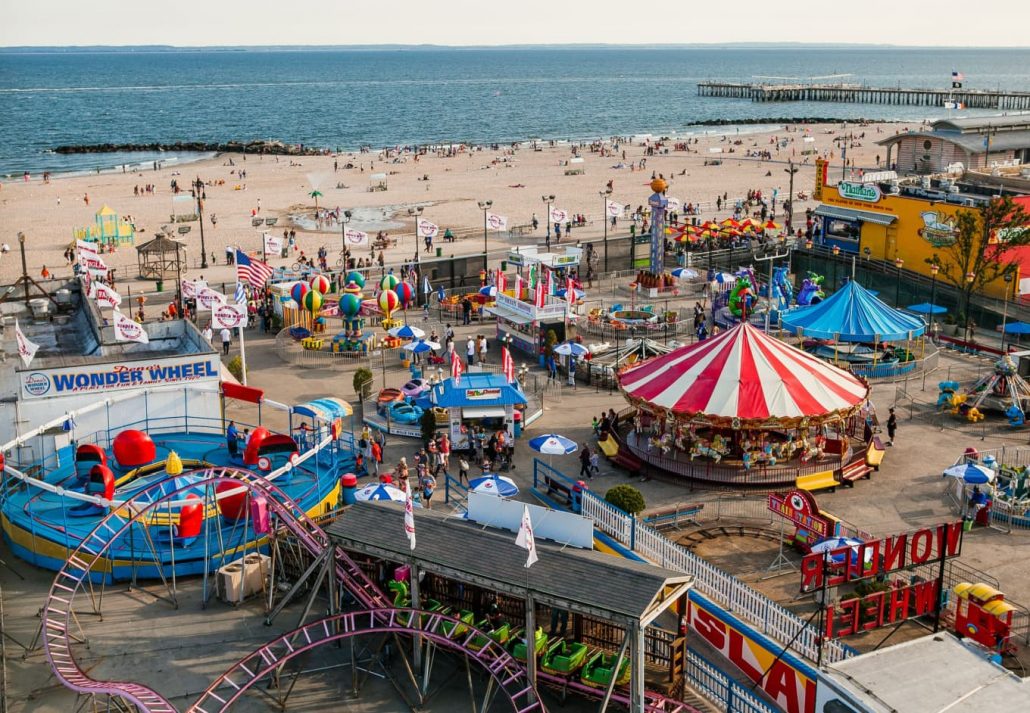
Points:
(241, 294)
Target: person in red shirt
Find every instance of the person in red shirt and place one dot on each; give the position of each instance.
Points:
(377, 457)
(444, 448)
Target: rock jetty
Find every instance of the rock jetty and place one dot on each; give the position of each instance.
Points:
(251, 147)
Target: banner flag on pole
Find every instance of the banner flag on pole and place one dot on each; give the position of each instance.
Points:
(613, 209)
(559, 215)
(570, 292)
(518, 286)
(252, 271)
(507, 365)
(496, 222)
(456, 367)
(208, 298)
(273, 244)
(106, 297)
(125, 330)
(409, 519)
(81, 246)
(355, 237)
(228, 316)
(26, 349)
(525, 538)
(189, 289)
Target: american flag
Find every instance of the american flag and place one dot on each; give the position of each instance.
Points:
(252, 271)
(507, 365)
(456, 368)
(957, 76)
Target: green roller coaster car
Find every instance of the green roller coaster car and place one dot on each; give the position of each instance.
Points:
(518, 649)
(501, 635)
(451, 630)
(597, 671)
(563, 657)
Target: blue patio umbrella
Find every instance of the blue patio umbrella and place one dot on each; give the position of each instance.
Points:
(576, 292)
(970, 473)
(421, 346)
(488, 291)
(406, 332)
(1017, 328)
(838, 543)
(553, 445)
(494, 484)
(927, 308)
(685, 273)
(378, 491)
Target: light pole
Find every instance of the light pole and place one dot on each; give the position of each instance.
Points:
(416, 213)
(898, 263)
(808, 247)
(836, 252)
(934, 269)
(343, 238)
(1005, 310)
(548, 199)
(198, 188)
(604, 219)
(789, 207)
(485, 206)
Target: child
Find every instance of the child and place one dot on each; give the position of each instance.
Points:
(596, 426)
(463, 471)
(595, 464)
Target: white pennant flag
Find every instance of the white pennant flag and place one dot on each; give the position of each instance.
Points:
(496, 222)
(81, 246)
(525, 538)
(427, 229)
(228, 316)
(409, 519)
(208, 297)
(105, 296)
(26, 349)
(614, 209)
(87, 284)
(189, 289)
(125, 330)
(93, 263)
(273, 243)
(355, 237)
(558, 215)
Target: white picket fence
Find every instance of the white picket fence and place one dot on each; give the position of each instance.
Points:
(753, 607)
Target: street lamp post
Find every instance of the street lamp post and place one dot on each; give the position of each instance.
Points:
(343, 238)
(789, 208)
(898, 263)
(934, 269)
(416, 213)
(1005, 309)
(548, 199)
(808, 247)
(485, 206)
(198, 188)
(836, 252)
(604, 219)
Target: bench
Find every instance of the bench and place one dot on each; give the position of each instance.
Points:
(817, 481)
(627, 460)
(874, 454)
(557, 488)
(669, 516)
(518, 231)
(855, 470)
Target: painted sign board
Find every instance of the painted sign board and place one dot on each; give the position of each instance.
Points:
(97, 378)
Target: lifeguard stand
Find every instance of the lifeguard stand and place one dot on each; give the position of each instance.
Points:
(378, 182)
(108, 229)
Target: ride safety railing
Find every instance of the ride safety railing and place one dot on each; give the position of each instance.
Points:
(738, 598)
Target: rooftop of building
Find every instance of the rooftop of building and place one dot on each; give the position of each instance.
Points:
(977, 124)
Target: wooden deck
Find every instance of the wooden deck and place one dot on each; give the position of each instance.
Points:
(858, 94)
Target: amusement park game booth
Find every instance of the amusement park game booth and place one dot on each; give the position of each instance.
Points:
(479, 399)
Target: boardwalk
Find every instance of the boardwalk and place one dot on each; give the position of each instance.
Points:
(858, 94)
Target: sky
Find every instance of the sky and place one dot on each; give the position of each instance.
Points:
(994, 23)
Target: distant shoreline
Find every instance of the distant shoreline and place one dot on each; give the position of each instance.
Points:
(803, 46)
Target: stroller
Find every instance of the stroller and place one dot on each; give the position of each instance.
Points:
(435, 360)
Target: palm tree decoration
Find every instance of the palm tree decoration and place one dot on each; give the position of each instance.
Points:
(316, 194)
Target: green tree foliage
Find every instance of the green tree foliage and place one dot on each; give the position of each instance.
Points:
(626, 498)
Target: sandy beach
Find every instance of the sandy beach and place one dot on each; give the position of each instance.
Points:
(447, 187)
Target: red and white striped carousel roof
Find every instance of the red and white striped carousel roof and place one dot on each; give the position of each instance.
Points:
(743, 374)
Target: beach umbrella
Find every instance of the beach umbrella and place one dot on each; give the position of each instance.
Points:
(749, 224)
(685, 273)
(488, 291)
(388, 282)
(316, 194)
(730, 223)
(494, 485)
(421, 346)
(379, 491)
(838, 543)
(1017, 328)
(970, 473)
(407, 332)
(927, 308)
(709, 225)
(571, 349)
(576, 292)
(553, 445)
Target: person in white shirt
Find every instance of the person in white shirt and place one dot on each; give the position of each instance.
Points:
(470, 351)
(208, 334)
(226, 340)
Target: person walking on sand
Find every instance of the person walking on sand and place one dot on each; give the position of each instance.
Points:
(892, 427)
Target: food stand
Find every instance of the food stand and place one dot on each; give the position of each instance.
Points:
(478, 399)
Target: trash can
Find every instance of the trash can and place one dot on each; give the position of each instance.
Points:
(439, 252)
(967, 524)
(160, 285)
(504, 267)
(348, 486)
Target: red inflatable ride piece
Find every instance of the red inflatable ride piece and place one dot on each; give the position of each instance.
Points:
(101, 482)
(133, 448)
(257, 436)
(191, 517)
(232, 507)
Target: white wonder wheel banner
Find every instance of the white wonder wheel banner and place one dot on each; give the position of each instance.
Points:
(427, 229)
(559, 215)
(125, 330)
(228, 316)
(26, 349)
(496, 222)
(81, 246)
(273, 243)
(355, 237)
(614, 209)
(105, 296)
(208, 297)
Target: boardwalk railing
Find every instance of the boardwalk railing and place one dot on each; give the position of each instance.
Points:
(732, 697)
(756, 609)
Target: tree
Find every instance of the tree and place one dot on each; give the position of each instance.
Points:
(363, 383)
(976, 257)
(428, 424)
(235, 367)
(626, 498)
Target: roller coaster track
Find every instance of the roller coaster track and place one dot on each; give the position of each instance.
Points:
(509, 674)
(379, 616)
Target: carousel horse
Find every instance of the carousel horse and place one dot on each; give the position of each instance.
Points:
(813, 451)
(719, 444)
(747, 460)
(702, 448)
(665, 443)
(682, 443)
(767, 454)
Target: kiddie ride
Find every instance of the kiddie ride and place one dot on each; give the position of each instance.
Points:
(1002, 390)
(47, 516)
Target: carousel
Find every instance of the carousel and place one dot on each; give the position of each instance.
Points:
(742, 408)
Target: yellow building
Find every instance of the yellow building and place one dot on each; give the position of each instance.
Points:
(884, 221)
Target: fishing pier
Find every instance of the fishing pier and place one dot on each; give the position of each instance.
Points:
(857, 94)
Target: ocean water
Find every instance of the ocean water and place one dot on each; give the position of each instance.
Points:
(351, 98)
